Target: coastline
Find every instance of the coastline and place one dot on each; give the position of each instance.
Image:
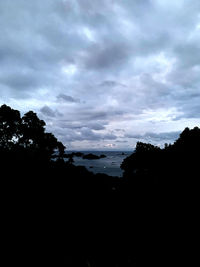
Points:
(110, 164)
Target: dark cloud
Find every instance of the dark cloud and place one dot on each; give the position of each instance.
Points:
(67, 98)
(107, 56)
(70, 124)
(111, 84)
(47, 111)
(96, 126)
(122, 141)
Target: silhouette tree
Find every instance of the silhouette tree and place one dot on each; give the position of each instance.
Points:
(10, 122)
(143, 161)
(172, 165)
(32, 129)
(27, 134)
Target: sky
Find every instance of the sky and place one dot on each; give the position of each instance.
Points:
(103, 74)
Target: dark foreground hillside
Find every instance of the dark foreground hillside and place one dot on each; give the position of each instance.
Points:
(56, 213)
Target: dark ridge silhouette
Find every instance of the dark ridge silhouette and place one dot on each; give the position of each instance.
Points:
(56, 213)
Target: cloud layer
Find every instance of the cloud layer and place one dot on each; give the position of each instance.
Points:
(101, 72)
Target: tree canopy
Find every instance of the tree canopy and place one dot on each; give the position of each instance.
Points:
(174, 160)
(26, 133)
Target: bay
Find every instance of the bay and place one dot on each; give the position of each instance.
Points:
(109, 165)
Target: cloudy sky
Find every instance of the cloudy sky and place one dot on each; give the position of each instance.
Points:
(103, 74)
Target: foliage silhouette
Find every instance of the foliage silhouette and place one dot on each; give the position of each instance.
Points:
(165, 185)
(26, 134)
(10, 122)
(66, 215)
(169, 165)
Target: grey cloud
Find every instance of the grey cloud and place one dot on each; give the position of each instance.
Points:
(97, 126)
(19, 80)
(190, 110)
(188, 54)
(94, 7)
(67, 98)
(107, 56)
(82, 134)
(111, 84)
(122, 141)
(100, 115)
(47, 111)
(119, 130)
(152, 87)
(149, 136)
(186, 78)
(129, 57)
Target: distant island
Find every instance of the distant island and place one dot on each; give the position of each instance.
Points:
(84, 156)
(92, 156)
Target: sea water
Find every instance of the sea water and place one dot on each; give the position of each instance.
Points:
(109, 165)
